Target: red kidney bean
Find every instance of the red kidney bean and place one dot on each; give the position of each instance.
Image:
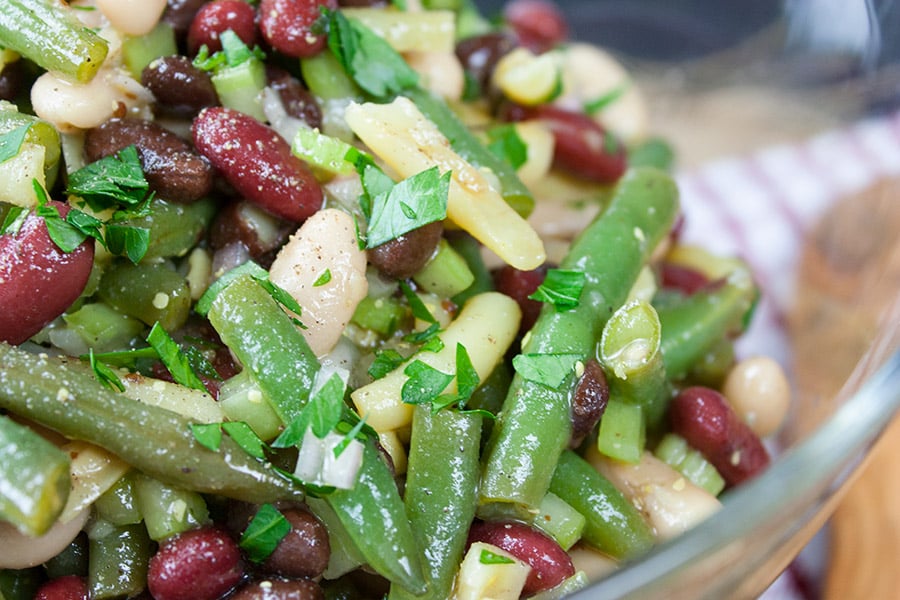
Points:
(200, 564)
(257, 162)
(479, 54)
(217, 17)
(703, 417)
(180, 13)
(588, 401)
(550, 564)
(681, 278)
(68, 587)
(304, 551)
(280, 589)
(518, 285)
(288, 25)
(172, 168)
(38, 281)
(405, 255)
(178, 86)
(297, 100)
(582, 146)
(539, 24)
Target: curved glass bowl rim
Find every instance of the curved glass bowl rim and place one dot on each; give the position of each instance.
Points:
(821, 462)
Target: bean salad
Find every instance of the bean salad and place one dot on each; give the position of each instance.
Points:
(349, 299)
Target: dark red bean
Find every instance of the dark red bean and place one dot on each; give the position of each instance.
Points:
(479, 55)
(582, 147)
(68, 587)
(539, 24)
(280, 589)
(680, 277)
(297, 100)
(260, 232)
(550, 564)
(217, 17)
(703, 417)
(518, 285)
(588, 401)
(172, 168)
(200, 564)
(304, 551)
(287, 25)
(405, 255)
(12, 81)
(38, 281)
(257, 162)
(180, 13)
(178, 86)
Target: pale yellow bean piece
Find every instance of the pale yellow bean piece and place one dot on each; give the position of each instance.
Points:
(409, 143)
(486, 327)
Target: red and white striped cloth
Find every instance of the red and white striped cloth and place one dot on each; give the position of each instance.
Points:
(760, 207)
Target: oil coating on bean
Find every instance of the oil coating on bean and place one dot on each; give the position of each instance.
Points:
(171, 166)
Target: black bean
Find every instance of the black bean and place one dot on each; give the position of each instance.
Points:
(479, 55)
(297, 100)
(280, 589)
(588, 401)
(405, 255)
(179, 87)
(171, 166)
(180, 13)
(304, 551)
(242, 221)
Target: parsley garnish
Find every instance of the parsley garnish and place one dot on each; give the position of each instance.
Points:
(11, 142)
(267, 528)
(594, 106)
(113, 181)
(104, 373)
(425, 383)
(322, 279)
(410, 204)
(13, 221)
(173, 358)
(506, 144)
(208, 435)
(385, 362)
(547, 369)
(492, 558)
(322, 414)
(234, 53)
(561, 287)
(367, 58)
(245, 437)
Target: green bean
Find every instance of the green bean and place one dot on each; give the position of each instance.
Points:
(168, 510)
(71, 401)
(470, 148)
(73, 560)
(151, 292)
(20, 584)
(34, 478)
(373, 514)
(267, 343)
(693, 326)
(117, 560)
(630, 353)
(612, 524)
(50, 35)
(534, 425)
(442, 477)
(118, 504)
(174, 228)
(469, 248)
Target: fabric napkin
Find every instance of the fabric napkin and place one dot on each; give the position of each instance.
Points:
(760, 206)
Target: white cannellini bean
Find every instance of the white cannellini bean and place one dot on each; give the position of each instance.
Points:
(71, 106)
(671, 503)
(759, 392)
(134, 17)
(325, 243)
(590, 73)
(21, 551)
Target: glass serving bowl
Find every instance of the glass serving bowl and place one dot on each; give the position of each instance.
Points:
(726, 79)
